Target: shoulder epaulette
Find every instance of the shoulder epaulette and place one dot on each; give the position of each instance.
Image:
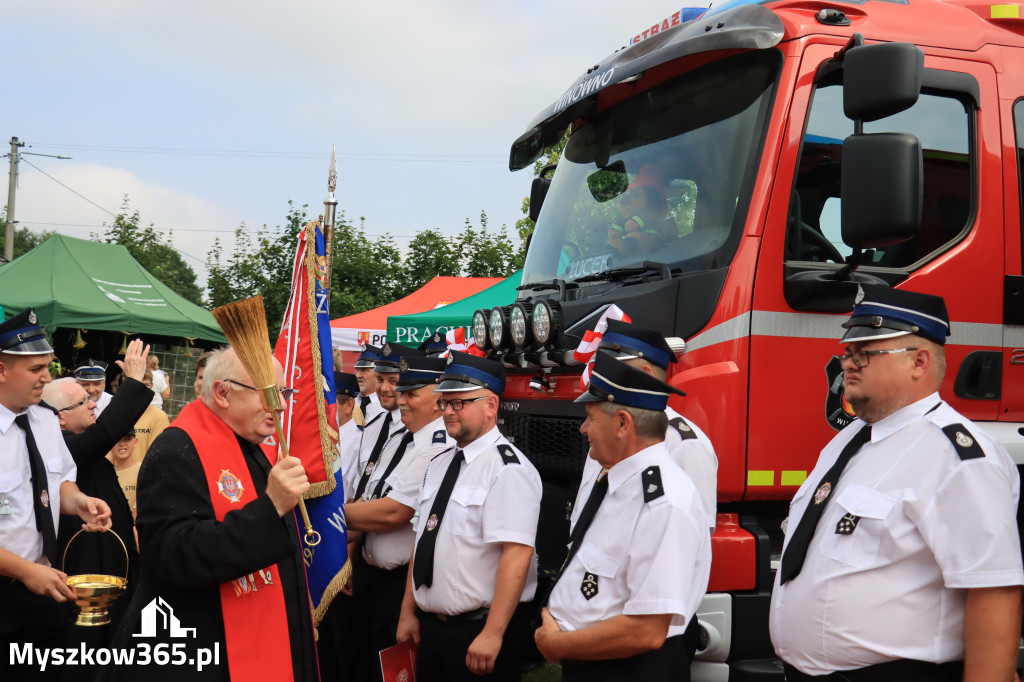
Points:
(508, 455)
(440, 436)
(51, 408)
(684, 430)
(966, 446)
(653, 489)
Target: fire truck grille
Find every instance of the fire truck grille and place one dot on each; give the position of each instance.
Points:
(554, 445)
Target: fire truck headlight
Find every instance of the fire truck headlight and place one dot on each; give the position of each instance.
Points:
(519, 324)
(499, 333)
(547, 316)
(480, 318)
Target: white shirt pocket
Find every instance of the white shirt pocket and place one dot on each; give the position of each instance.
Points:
(11, 480)
(464, 514)
(595, 561)
(866, 510)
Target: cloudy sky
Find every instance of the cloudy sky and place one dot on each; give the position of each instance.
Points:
(211, 114)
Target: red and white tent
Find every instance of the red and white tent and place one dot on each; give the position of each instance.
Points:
(350, 333)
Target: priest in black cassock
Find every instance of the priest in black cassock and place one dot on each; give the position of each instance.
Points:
(222, 581)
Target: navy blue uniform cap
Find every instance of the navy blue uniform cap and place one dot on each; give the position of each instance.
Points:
(367, 357)
(390, 354)
(885, 313)
(417, 372)
(22, 335)
(627, 341)
(613, 381)
(435, 345)
(345, 384)
(91, 370)
(467, 372)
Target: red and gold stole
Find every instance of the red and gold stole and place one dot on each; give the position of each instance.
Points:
(255, 621)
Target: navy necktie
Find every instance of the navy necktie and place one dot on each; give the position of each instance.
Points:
(423, 563)
(597, 494)
(40, 492)
(796, 550)
(395, 459)
(378, 447)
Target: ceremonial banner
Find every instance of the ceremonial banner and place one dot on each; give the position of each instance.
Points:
(304, 349)
(309, 421)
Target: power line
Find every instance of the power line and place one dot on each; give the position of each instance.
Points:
(191, 229)
(82, 196)
(68, 188)
(270, 154)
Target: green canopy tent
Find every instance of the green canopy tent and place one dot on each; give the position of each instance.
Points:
(76, 283)
(411, 330)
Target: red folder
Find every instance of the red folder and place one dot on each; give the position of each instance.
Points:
(398, 663)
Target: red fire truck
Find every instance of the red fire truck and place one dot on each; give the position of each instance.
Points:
(788, 152)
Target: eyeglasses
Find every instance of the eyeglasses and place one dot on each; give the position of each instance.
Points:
(862, 358)
(83, 401)
(457, 403)
(286, 393)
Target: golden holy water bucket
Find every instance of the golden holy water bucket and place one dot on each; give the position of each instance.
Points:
(95, 593)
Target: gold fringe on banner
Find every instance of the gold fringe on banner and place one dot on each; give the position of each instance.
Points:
(332, 591)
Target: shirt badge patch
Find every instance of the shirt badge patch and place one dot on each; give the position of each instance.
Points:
(589, 586)
(963, 440)
(432, 522)
(229, 486)
(369, 468)
(847, 524)
(822, 493)
(45, 498)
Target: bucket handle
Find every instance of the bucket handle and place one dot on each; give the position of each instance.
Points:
(64, 559)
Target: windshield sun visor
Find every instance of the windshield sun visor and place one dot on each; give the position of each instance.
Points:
(744, 27)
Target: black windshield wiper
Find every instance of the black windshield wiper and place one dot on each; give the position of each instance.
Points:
(560, 284)
(618, 274)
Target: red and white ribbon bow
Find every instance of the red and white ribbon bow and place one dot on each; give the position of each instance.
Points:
(584, 353)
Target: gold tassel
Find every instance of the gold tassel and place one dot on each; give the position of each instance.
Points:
(188, 346)
(124, 344)
(79, 344)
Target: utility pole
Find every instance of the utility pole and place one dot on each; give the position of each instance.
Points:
(12, 189)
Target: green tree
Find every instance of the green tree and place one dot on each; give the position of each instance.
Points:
(487, 255)
(430, 254)
(259, 265)
(153, 251)
(365, 274)
(24, 239)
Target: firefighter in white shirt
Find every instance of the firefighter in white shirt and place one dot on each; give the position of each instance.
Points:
(901, 559)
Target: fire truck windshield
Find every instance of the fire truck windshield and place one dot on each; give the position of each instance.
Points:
(663, 176)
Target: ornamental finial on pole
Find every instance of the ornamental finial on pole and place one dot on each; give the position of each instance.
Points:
(332, 174)
(330, 206)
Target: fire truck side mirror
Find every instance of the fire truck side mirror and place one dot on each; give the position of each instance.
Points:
(881, 80)
(882, 189)
(539, 190)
